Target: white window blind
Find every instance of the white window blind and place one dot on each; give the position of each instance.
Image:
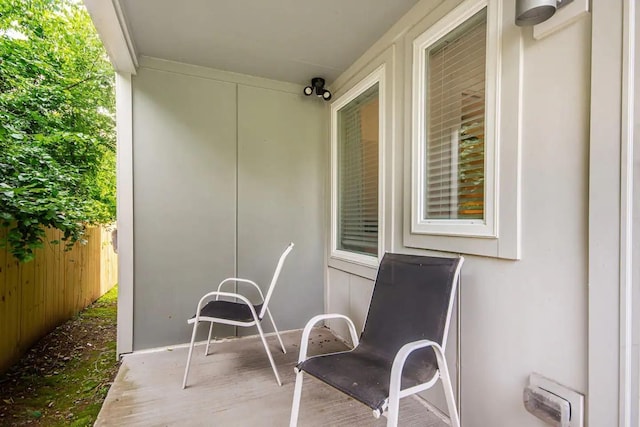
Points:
(358, 135)
(455, 123)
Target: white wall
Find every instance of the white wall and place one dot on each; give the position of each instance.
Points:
(517, 317)
(227, 170)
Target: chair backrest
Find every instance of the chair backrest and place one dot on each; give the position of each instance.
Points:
(412, 300)
(274, 280)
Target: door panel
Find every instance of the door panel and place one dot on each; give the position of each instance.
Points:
(184, 200)
(281, 174)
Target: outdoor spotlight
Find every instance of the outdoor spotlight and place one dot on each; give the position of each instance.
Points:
(533, 12)
(317, 86)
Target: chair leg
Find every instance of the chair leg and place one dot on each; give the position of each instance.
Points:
(448, 394)
(206, 350)
(186, 369)
(446, 385)
(393, 409)
(266, 348)
(277, 333)
(297, 394)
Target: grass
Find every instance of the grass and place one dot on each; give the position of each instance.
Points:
(64, 379)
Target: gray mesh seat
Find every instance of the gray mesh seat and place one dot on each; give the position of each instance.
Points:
(229, 310)
(401, 349)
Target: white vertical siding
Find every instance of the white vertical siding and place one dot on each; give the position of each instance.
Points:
(517, 317)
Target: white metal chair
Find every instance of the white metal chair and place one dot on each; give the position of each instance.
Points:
(401, 349)
(236, 313)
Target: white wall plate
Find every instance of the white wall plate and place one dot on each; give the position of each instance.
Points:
(564, 17)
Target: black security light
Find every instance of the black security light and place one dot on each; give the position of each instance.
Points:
(317, 86)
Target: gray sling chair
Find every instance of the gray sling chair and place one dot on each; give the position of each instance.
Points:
(242, 313)
(401, 349)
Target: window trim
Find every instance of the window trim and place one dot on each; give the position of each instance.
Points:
(377, 76)
(487, 228)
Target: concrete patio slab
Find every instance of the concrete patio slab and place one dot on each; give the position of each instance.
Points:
(235, 386)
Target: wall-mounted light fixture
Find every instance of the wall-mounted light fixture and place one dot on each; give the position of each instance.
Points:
(317, 86)
(532, 12)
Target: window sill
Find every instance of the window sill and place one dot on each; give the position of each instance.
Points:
(368, 271)
(504, 248)
(453, 228)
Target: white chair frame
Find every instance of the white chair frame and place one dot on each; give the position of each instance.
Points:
(392, 407)
(257, 317)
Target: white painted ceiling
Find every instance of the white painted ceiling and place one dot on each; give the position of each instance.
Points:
(289, 40)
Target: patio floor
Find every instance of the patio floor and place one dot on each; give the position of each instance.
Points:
(235, 386)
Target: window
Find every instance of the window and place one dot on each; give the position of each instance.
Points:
(463, 194)
(356, 120)
(453, 135)
(358, 174)
(454, 181)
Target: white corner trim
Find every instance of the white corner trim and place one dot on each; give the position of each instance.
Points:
(124, 129)
(628, 411)
(124, 26)
(561, 19)
(613, 303)
(111, 25)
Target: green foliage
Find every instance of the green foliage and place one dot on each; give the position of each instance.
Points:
(57, 139)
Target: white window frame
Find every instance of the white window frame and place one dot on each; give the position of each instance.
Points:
(377, 76)
(482, 228)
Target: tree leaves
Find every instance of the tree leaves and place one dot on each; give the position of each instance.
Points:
(57, 139)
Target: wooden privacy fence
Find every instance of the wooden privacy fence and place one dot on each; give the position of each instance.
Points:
(37, 296)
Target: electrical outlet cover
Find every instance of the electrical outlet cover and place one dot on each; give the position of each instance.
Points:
(573, 397)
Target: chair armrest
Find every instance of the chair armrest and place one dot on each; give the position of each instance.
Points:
(237, 279)
(221, 294)
(304, 343)
(403, 354)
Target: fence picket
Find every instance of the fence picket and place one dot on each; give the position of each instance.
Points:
(38, 296)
